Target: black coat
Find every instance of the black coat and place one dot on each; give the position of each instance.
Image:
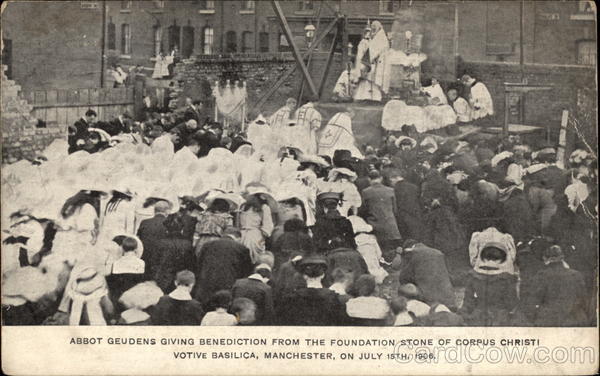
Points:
(312, 307)
(221, 263)
(560, 297)
(176, 254)
(260, 293)
(150, 232)
(169, 311)
(330, 226)
(489, 299)
(410, 210)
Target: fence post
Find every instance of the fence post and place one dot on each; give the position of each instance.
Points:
(562, 140)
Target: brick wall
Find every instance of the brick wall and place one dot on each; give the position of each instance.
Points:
(197, 76)
(20, 136)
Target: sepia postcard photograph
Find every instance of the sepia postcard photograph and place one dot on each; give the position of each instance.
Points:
(317, 187)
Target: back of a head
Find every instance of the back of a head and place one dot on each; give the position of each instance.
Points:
(374, 175)
(222, 299)
(365, 285)
(294, 225)
(313, 270)
(342, 275)
(162, 207)
(399, 304)
(129, 244)
(219, 205)
(493, 254)
(185, 278)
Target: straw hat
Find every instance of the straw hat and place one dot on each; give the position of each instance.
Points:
(500, 157)
(314, 159)
(333, 174)
(259, 189)
(404, 139)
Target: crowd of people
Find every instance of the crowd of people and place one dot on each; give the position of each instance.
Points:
(174, 220)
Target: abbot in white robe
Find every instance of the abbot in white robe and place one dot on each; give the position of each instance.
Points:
(481, 101)
(338, 135)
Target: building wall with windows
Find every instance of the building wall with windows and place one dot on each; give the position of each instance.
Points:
(45, 51)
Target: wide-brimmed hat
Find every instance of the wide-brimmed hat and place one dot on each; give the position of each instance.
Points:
(312, 159)
(312, 259)
(260, 119)
(104, 136)
(500, 157)
(333, 174)
(259, 189)
(142, 295)
(405, 140)
(234, 200)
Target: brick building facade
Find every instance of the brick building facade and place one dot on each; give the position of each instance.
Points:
(58, 45)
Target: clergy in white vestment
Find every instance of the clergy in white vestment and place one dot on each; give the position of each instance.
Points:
(435, 93)
(259, 133)
(460, 105)
(378, 48)
(480, 99)
(308, 123)
(280, 118)
(338, 135)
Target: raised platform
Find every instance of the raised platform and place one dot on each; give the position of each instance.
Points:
(366, 124)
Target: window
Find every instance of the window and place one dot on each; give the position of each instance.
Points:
(386, 7)
(247, 7)
(187, 42)
(230, 42)
(125, 39)
(207, 40)
(306, 6)
(586, 52)
(247, 41)
(174, 35)
(126, 5)
(111, 36)
(206, 6)
(159, 4)
(157, 30)
(263, 42)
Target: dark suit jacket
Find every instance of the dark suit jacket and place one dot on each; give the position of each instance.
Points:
(221, 263)
(169, 311)
(426, 268)
(260, 293)
(380, 209)
(201, 116)
(151, 232)
(410, 211)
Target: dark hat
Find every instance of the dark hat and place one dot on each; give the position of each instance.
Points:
(312, 259)
(329, 196)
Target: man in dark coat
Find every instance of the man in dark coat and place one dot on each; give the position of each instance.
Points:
(79, 138)
(409, 209)
(558, 296)
(379, 209)
(150, 232)
(221, 263)
(178, 308)
(122, 124)
(256, 289)
(332, 226)
(194, 110)
(426, 268)
(185, 131)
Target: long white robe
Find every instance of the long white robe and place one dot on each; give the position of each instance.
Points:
(280, 118)
(436, 91)
(338, 134)
(462, 109)
(481, 101)
(308, 123)
(378, 48)
(397, 113)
